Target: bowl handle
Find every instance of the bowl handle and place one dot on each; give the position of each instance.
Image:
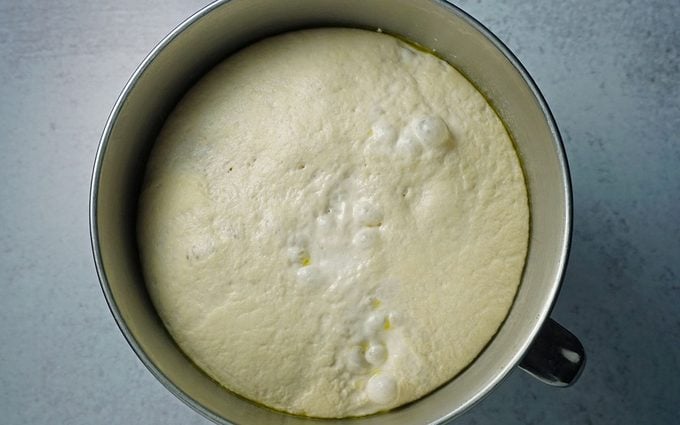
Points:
(556, 356)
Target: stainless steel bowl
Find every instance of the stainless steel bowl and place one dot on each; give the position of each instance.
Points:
(527, 337)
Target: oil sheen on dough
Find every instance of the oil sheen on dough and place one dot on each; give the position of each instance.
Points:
(333, 223)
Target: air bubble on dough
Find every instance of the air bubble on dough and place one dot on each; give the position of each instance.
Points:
(431, 131)
(408, 147)
(383, 133)
(310, 275)
(376, 354)
(381, 389)
(374, 324)
(355, 359)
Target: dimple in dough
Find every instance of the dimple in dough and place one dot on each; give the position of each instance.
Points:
(333, 223)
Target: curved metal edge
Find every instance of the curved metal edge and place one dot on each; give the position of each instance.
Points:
(566, 182)
(94, 233)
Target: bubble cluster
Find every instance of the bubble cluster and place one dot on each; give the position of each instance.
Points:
(426, 135)
(345, 235)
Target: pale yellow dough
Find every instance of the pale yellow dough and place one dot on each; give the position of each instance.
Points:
(333, 223)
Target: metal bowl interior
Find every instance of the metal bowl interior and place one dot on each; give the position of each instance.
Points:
(225, 26)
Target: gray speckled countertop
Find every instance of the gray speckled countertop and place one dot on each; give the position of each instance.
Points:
(610, 71)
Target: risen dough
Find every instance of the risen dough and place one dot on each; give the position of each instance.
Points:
(333, 223)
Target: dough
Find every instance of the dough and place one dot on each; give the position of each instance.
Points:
(333, 223)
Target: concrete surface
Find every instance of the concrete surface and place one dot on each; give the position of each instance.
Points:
(610, 72)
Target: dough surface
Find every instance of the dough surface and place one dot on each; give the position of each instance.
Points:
(333, 223)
